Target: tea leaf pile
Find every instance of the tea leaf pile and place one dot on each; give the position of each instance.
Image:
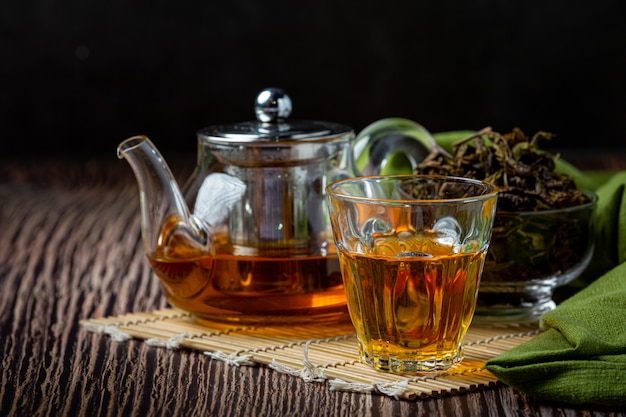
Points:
(524, 174)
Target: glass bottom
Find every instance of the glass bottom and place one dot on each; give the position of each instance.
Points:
(419, 363)
(327, 316)
(507, 314)
(504, 301)
(520, 302)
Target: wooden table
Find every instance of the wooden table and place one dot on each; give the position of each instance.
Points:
(71, 250)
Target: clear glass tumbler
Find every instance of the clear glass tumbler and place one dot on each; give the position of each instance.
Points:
(411, 250)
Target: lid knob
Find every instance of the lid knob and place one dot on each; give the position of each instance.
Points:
(272, 105)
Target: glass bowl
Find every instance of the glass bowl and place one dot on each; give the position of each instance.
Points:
(531, 253)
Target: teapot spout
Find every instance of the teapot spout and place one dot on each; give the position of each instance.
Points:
(168, 230)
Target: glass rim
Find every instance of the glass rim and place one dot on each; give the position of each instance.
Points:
(593, 200)
(333, 189)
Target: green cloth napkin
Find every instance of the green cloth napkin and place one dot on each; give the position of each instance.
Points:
(581, 356)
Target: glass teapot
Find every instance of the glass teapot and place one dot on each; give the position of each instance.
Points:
(258, 247)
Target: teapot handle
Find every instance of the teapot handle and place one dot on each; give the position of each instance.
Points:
(392, 146)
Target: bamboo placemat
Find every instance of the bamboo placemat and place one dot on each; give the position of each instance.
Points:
(315, 353)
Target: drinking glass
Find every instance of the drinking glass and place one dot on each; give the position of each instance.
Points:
(411, 250)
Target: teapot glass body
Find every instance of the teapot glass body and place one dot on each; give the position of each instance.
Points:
(273, 258)
(248, 239)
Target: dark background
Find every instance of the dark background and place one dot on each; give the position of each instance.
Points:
(77, 77)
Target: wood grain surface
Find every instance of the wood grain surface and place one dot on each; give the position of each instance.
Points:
(70, 249)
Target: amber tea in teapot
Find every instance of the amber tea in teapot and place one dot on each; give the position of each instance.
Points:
(250, 288)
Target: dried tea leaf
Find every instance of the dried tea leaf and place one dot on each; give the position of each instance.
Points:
(522, 247)
(524, 174)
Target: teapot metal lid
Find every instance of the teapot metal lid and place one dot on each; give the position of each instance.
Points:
(273, 107)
